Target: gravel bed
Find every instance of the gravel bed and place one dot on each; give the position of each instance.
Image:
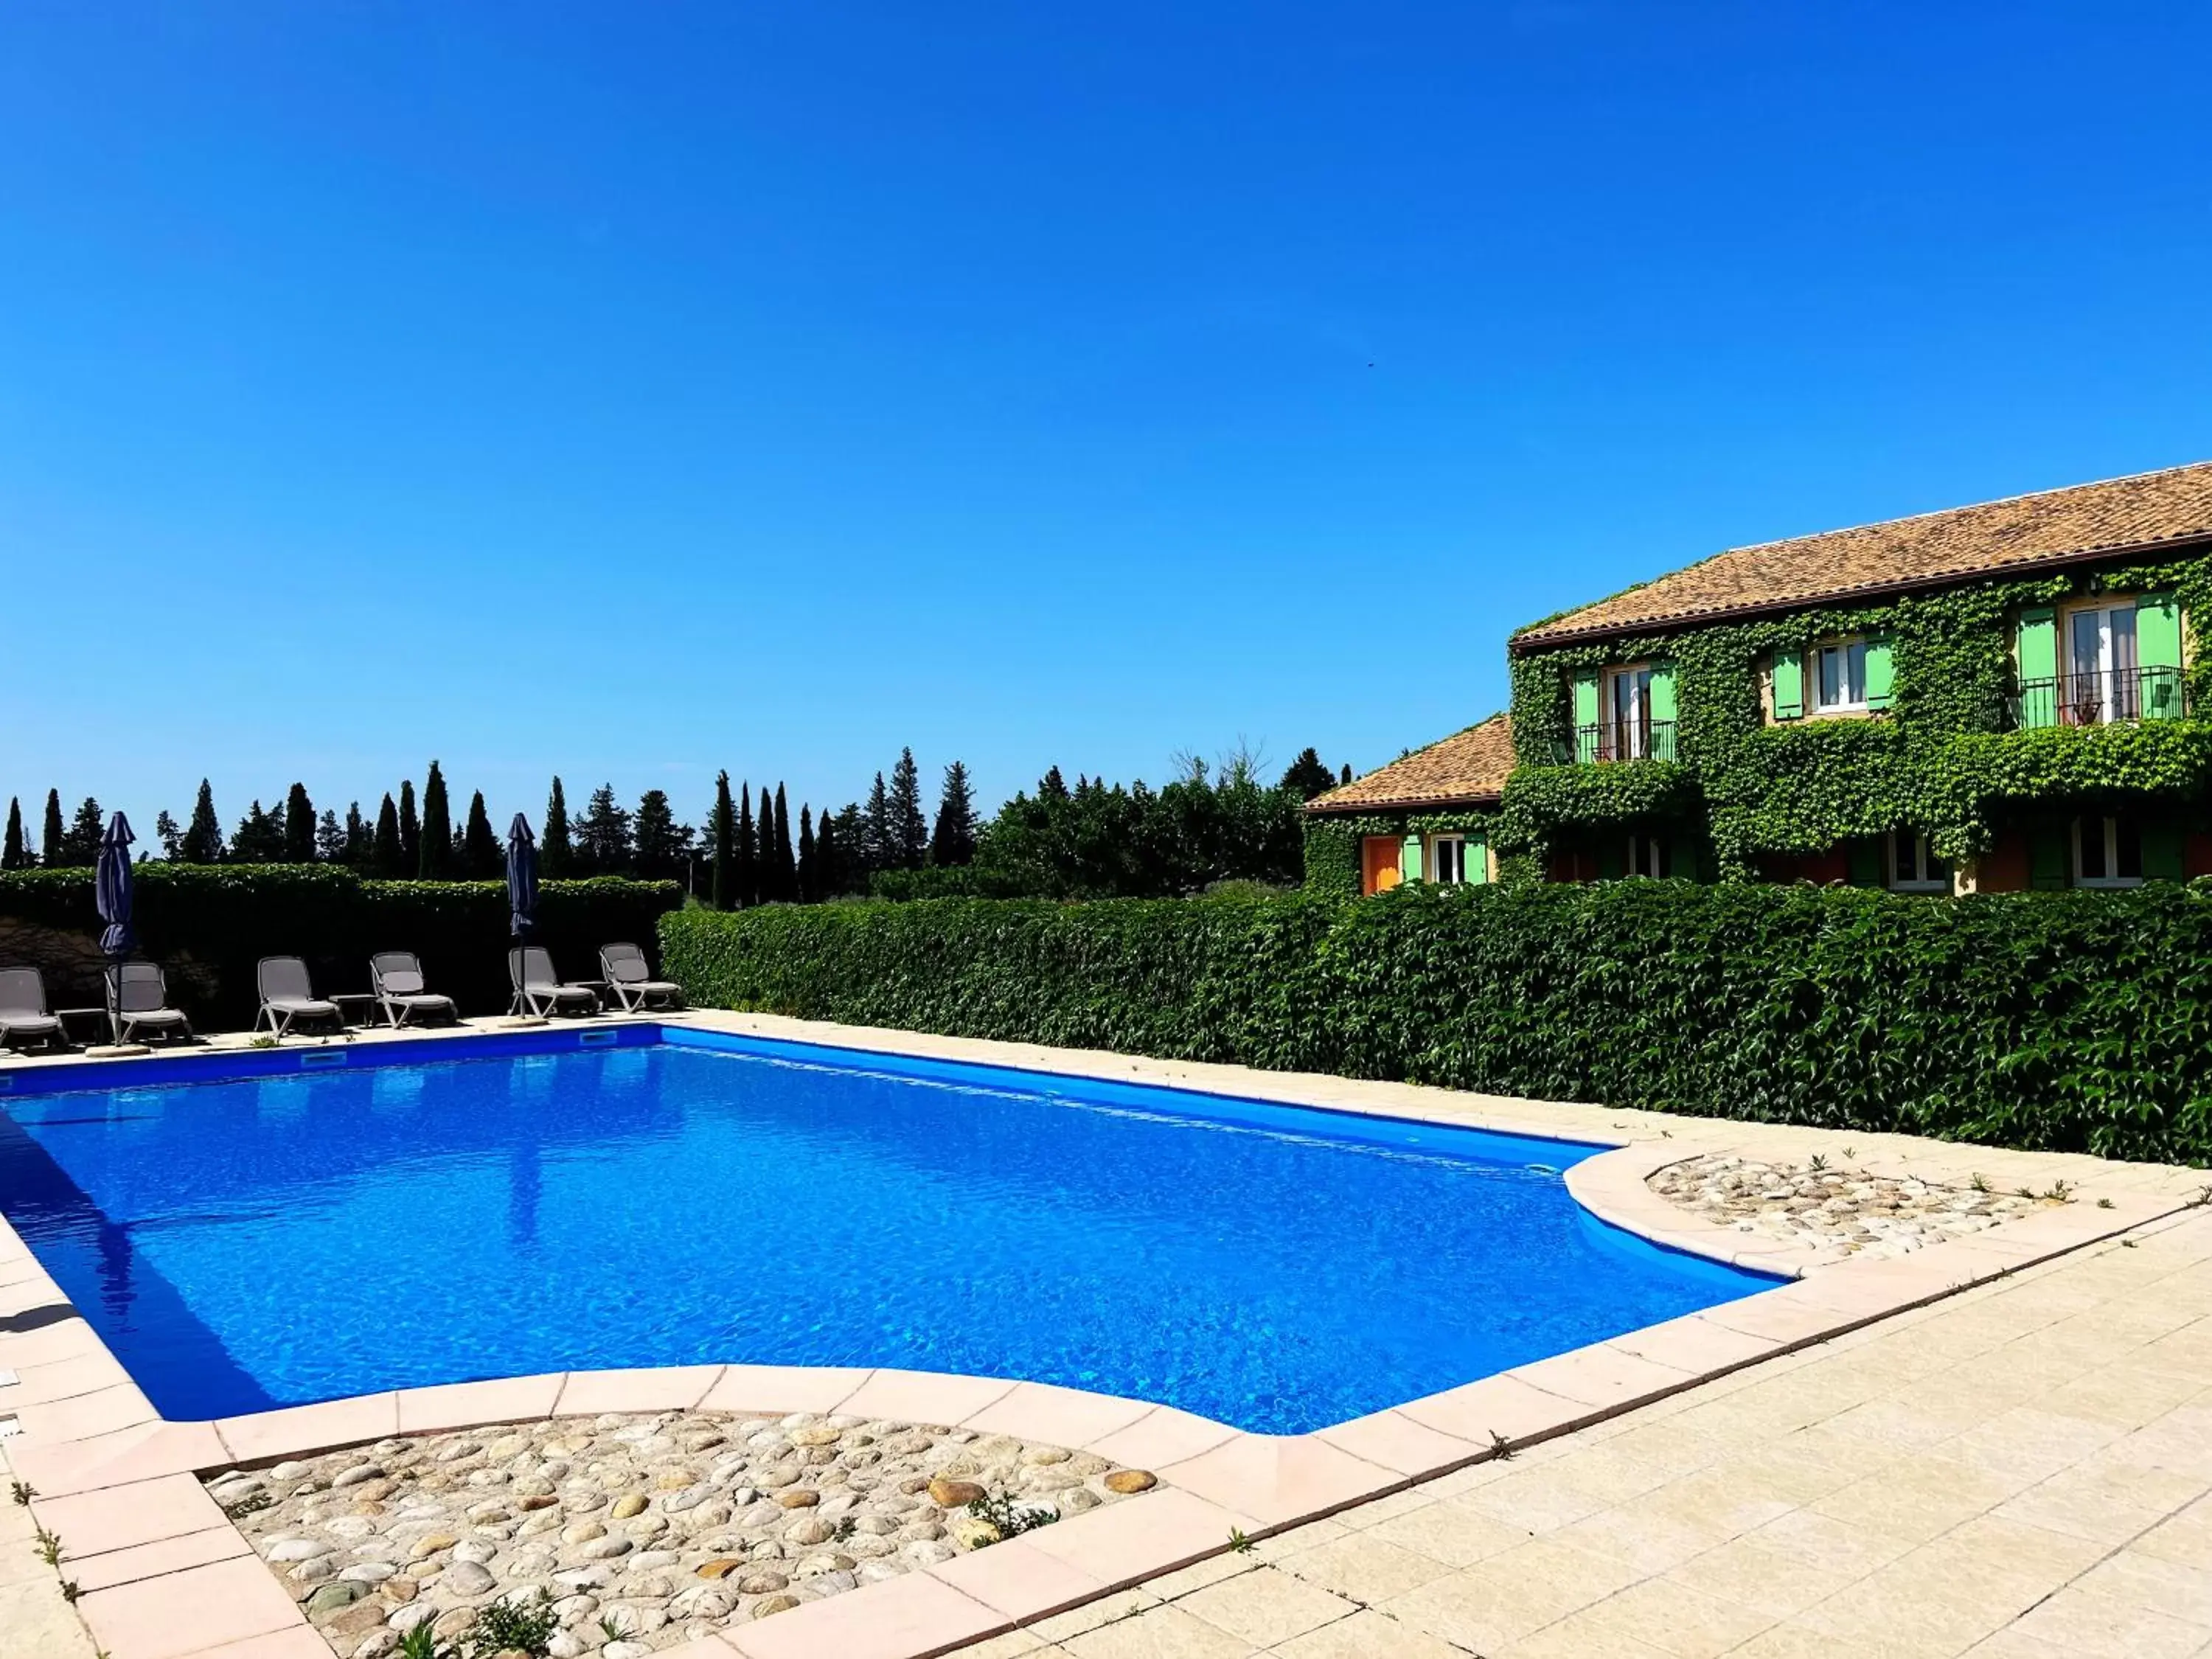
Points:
(1839, 1213)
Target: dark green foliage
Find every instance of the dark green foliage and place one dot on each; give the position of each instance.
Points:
(660, 839)
(1010, 1517)
(482, 856)
(1331, 843)
(952, 842)
(300, 826)
(209, 926)
(556, 852)
(360, 839)
(202, 841)
(13, 855)
(748, 880)
(722, 833)
(604, 844)
(81, 841)
(1307, 777)
(435, 857)
(2058, 1021)
(906, 832)
(829, 857)
(411, 831)
(807, 870)
(385, 856)
(330, 837)
(506, 1627)
(878, 844)
(259, 839)
(783, 873)
(52, 850)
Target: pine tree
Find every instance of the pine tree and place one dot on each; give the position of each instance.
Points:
(481, 857)
(360, 839)
(910, 828)
(877, 840)
(850, 872)
(298, 826)
(13, 855)
(437, 849)
(603, 835)
(384, 857)
(784, 867)
(747, 872)
(202, 841)
(1307, 777)
(725, 831)
(410, 832)
(170, 835)
(1052, 785)
(260, 838)
(50, 843)
(556, 852)
(330, 838)
(660, 839)
(806, 869)
(953, 840)
(80, 848)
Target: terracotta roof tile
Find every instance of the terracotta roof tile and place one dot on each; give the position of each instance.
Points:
(2119, 514)
(1468, 768)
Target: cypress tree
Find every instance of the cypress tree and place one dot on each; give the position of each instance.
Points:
(50, 844)
(481, 858)
(877, 840)
(826, 876)
(385, 856)
(203, 842)
(437, 849)
(300, 826)
(748, 877)
(786, 866)
(1346, 775)
(410, 832)
(805, 868)
(13, 855)
(556, 853)
(725, 831)
(953, 840)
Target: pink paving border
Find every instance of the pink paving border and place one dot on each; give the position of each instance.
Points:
(164, 1575)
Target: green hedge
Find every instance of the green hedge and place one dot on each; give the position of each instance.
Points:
(2076, 1020)
(208, 925)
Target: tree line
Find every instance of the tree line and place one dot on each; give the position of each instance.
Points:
(1091, 841)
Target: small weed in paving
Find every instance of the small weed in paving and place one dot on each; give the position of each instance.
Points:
(516, 1627)
(1980, 1184)
(265, 1041)
(421, 1643)
(1819, 1165)
(2062, 1192)
(1500, 1447)
(1239, 1541)
(842, 1530)
(24, 1492)
(1012, 1519)
(2104, 1203)
(239, 1508)
(49, 1546)
(69, 1591)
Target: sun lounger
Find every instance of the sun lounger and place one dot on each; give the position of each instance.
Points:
(139, 993)
(23, 1011)
(629, 976)
(287, 996)
(538, 990)
(401, 990)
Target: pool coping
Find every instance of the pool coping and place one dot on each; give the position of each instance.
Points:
(170, 1576)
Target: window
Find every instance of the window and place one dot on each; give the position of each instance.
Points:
(1914, 868)
(1839, 678)
(1627, 734)
(1647, 855)
(2108, 853)
(2100, 683)
(1447, 860)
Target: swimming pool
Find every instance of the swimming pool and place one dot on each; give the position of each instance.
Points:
(297, 1226)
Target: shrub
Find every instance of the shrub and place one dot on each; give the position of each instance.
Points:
(2068, 1021)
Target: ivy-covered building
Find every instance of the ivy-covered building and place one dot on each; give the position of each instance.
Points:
(1991, 698)
(1429, 816)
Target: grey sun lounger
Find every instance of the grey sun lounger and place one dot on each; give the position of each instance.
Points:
(402, 992)
(286, 995)
(538, 989)
(23, 1011)
(139, 993)
(629, 976)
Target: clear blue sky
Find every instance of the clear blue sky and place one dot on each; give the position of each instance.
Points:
(631, 390)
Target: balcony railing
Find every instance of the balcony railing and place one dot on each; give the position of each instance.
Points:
(1620, 740)
(2100, 698)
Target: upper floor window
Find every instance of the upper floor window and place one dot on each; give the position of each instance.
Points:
(1624, 714)
(1851, 676)
(2111, 659)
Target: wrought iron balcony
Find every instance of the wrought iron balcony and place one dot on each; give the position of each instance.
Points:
(2100, 698)
(1619, 740)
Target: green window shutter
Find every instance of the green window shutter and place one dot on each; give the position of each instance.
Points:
(2049, 856)
(1475, 857)
(2038, 668)
(1584, 687)
(1790, 685)
(2161, 849)
(1663, 711)
(1409, 859)
(1863, 861)
(1881, 673)
(2158, 647)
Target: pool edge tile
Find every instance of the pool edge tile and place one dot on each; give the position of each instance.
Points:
(636, 1388)
(785, 1388)
(911, 1617)
(925, 1396)
(299, 1430)
(445, 1405)
(124, 1458)
(1075, 1418)
(1393, 1441)
(1018, 1580)
(1281, 1478)
(190, 1612)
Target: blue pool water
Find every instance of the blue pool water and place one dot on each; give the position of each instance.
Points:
(685, 1197)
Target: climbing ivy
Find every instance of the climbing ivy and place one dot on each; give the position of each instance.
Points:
(1940, 761)
(1333, 843)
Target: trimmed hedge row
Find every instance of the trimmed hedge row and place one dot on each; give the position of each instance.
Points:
(208, 924)
(2073, 1021)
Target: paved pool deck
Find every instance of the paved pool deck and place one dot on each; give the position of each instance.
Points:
(1795, 1436)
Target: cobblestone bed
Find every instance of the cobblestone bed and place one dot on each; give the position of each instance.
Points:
(641, 1532)
(1837, 1212)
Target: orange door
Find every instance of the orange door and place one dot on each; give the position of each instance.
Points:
(1378, 857)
